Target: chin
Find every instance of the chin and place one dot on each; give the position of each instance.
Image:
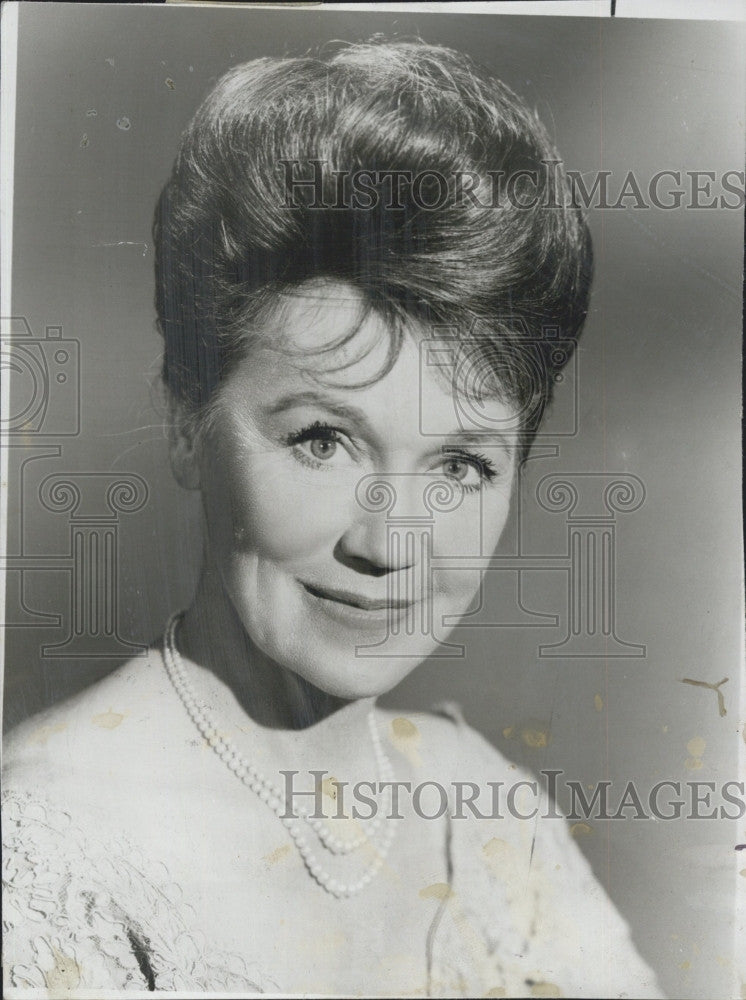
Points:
(346, 652)
(353, 677)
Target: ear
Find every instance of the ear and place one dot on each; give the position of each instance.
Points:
(183, 446)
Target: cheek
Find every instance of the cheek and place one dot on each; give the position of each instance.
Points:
(468, 534)
(474, 527)
(274, 509)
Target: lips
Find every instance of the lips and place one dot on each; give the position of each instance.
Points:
(355, 600)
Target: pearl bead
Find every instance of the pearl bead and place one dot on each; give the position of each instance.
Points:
(269, 793)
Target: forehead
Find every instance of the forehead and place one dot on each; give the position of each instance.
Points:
(324, 327)
(322, 336)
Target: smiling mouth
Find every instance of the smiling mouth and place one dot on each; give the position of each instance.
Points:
(352, 600)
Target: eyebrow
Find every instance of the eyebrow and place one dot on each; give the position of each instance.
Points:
(354, 414)
(483, 439)
(343, 410)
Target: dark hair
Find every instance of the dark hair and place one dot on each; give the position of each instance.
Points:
(231, 232)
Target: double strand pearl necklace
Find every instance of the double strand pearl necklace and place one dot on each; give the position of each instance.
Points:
(269, 793)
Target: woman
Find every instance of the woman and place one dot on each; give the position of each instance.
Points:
(357, 255)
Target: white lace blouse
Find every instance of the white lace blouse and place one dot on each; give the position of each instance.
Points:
(521, 914)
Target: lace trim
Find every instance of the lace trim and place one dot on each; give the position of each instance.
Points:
(78, 913)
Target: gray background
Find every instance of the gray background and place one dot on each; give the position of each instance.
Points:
(658, 390)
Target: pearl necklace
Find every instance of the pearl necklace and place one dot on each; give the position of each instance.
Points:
(269, 793)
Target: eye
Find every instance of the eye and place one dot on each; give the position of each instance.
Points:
(318, 445)
(322, 448)
(472, 471)
(457, 468)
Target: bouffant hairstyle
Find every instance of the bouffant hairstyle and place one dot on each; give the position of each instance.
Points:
(395, 166)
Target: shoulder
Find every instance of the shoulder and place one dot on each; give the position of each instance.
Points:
(536, 914)
(88, 900)
(92, 909)
(441, 742)
(81, 746)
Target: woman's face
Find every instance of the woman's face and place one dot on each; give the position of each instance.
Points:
(343, 581)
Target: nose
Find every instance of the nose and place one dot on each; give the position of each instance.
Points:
(374, 542)
(372, 546)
